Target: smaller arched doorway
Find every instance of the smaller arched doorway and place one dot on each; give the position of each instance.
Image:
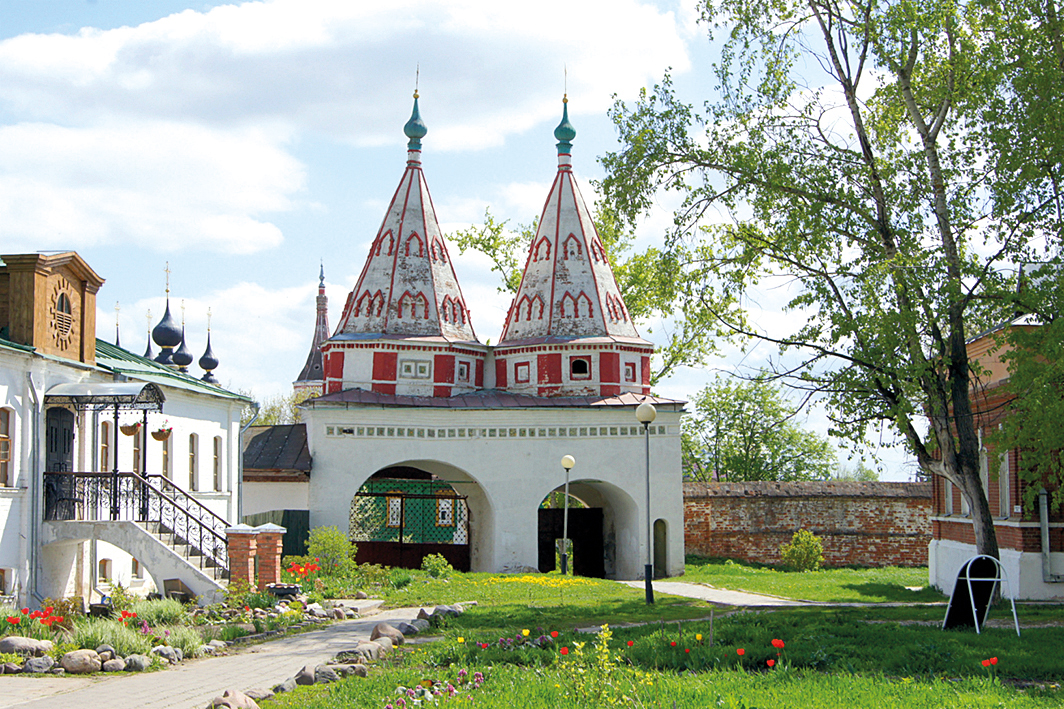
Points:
(402, 514)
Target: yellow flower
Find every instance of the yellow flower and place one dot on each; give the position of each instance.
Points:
(461, 639)
(525, 632)
(698, 637)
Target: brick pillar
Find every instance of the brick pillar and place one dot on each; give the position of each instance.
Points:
(242, 543)
(269, 551)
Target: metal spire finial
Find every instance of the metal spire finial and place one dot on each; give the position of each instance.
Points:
(182, 313)
(208, 319)
(167, 269)
(417, 78)
(565, 84)
(118, 308)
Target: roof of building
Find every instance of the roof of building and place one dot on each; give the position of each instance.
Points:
(568, 290)
(486, 399)
(116, 359)
(281, 447)
(314, 370)
(408, 286)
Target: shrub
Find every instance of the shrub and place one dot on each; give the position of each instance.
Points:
(188, 639)
(240, 593)
(332, 551)
(122, 599)
(804, 553)
(162, 611)
(436, 566)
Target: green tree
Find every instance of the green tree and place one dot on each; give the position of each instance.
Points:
(275, 410)
(652, 283)
(745, 430)
(865, 151)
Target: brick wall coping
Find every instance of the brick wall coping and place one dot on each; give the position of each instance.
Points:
(815, 488)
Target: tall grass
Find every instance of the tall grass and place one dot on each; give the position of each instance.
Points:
(162, 611)
(93, 632)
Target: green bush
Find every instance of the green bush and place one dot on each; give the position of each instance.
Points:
(161, 611)
(804, 553)
(436, 566)
(188, 639)
(332, 550)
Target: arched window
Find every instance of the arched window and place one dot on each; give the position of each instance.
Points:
(218, 463)
(580, 368)
(193, 444)
(5, 449)
(104, 570)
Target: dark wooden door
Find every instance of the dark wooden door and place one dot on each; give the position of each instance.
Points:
(59, 440)
(585, 531)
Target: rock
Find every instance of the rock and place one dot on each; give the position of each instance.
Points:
(323, 674)
(218, 643)
(105, 655)
(424, 615)
(361, 595)
(305, 676)
(350, 613)
(166, 653)
(421, 625)
(137, 663)
(233, 699)
(105, 648)
(383, 630)
(208, 649)
(12, 668)
(36, 665)
(57, 671)
(461, 605)
(26, 647)
(115, 665)
(446, 611)
(339, 614)
(406, 629)
(385, 645)
(260, 695)
(314, 609)
(287, 686)
(180, 654)
(81, 662)
(369, 651)
(357, 670)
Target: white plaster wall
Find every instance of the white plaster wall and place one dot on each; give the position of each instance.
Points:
(122, 570)
(1023, 569)
(266, 497)
(507, 478)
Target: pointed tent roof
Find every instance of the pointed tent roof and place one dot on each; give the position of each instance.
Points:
(313, 371)
(408, 287)
(568, 290)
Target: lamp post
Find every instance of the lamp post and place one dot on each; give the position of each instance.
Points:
(645, 413)
(567, 462)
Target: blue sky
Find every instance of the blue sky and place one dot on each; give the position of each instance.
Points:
(246, 143)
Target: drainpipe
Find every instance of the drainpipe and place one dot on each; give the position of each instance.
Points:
(1043, 519)
(36, 488)
(240, 466)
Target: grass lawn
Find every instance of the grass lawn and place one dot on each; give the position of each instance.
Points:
(829, 585)
(832, 657)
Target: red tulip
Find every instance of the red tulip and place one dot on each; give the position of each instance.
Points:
(771, 663)
(631, 643)
(777, 643)
(687, 650)
(25, 611)
(565, 651)
(554, 633)
(673, 643)
(48, 610)
(986, 663)
(741, 651)
(993, 660)
(14, 620)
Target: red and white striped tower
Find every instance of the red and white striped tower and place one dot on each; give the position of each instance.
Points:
(568, 332)
(405, 328)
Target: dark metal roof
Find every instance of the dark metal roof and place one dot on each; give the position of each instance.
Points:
(125, 395)
(487, 399)
(281, 447)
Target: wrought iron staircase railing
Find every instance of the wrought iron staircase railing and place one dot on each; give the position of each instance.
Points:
(176, 518)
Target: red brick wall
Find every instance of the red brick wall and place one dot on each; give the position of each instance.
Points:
(864, 524)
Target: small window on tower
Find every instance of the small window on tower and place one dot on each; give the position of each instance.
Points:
(463, 371)
(629, 372)
(580, 367)
(521, 372)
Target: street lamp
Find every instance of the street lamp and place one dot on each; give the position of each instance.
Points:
(645, 413)
(567, 462)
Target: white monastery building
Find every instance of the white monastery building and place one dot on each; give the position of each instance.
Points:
(426, 440)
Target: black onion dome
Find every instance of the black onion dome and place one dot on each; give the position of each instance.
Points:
(167, 333)
(182, 357)
(209, 360)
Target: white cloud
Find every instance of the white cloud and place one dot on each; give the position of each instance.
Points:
(163, 185)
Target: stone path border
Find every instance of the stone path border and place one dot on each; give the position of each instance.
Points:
(194, 683)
